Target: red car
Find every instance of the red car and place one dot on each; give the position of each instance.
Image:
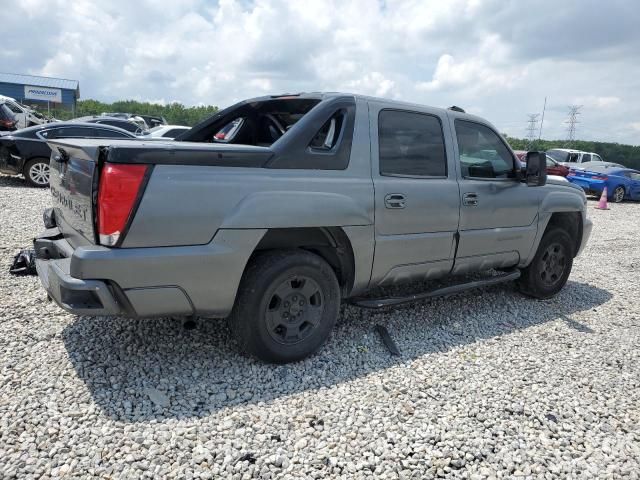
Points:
(553, 167)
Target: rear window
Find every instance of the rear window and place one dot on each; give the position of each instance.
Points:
(259, 123)
(5, 112)
(558, 155)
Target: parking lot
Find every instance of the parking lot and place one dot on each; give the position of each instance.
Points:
(490, 384)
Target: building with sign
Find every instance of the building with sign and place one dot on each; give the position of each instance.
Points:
(42, 92)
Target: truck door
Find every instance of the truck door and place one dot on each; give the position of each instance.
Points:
(417, 200)
(498, 212)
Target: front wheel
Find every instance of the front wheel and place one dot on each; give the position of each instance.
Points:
(618, 194)
(286, 306)
(36, 172)
(548, 272)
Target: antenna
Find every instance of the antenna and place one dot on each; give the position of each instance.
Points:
(572, 121)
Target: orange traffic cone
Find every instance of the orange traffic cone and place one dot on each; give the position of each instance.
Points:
(602, 204)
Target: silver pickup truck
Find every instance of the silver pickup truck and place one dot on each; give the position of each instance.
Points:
(274, 210)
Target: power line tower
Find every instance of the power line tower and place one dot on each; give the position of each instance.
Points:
(532, 129)
(572, 121)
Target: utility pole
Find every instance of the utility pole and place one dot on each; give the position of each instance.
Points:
(532, 129)
(572, 121)
(542, 121)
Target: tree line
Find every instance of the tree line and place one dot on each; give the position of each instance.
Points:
(627, 155)
(175, 113)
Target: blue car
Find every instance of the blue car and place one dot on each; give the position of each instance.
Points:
(622, 183)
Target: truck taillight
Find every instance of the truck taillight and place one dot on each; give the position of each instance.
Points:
(118, 192)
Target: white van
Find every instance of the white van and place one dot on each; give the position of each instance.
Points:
(567, 156)
(24, 115)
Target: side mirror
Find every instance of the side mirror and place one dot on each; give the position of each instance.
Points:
(536, 172)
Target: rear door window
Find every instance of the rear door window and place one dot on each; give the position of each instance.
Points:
(106, 133)
(482, 153)
(411, 144)
(68, 132)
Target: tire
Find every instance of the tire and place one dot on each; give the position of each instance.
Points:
(36, 172)
(287, 303)
(618, 194)
(548, 272)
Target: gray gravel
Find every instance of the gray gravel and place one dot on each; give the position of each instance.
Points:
(490, 384)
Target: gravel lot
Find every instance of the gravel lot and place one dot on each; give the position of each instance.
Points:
(490, 384)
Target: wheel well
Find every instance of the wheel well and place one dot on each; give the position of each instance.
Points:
(572, 223)
(330, 243)
(27, 160)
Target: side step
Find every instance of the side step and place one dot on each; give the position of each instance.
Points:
(461, 287)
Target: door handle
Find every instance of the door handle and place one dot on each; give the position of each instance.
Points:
(470, 199)
(395, 200)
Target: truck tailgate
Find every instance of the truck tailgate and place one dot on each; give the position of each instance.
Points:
(72, 185)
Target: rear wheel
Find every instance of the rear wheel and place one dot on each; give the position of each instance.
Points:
(548, 272)
(286, 306)
(36, 172)
(618, 194)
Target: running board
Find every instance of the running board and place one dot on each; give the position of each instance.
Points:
(382, 302)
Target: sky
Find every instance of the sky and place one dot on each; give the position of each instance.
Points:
(496, 58)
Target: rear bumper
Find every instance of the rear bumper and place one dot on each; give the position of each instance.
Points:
(145, 282)
(590, 187)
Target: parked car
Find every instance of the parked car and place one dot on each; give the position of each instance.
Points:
(568, 156)
(8, 120)
(168, 131)
(153, 120)
(125, 124)
(26, 152)
(622, 183)
(553, 167)
(315, 198)
(25, 116)
(590, 165)
(137, 119)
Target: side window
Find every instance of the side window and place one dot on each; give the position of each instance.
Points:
(596, 158)
(104, 133)
(411, 144)
(229, 131)
(635, 176)
(128, 126)
(68, 132)
(327, 137)
(586, 157)
(573, 157)
(482, 153)
(13, 107)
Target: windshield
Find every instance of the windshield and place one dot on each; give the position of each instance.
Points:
(558, 155)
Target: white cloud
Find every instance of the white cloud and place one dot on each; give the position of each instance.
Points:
(593, 101)
(484, 55)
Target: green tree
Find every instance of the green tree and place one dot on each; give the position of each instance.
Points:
(175, 113)
(627, 155)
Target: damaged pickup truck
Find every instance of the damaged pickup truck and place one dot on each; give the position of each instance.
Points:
(273, 211)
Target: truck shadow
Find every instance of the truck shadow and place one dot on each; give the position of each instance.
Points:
(194, 373)
(12, 181)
